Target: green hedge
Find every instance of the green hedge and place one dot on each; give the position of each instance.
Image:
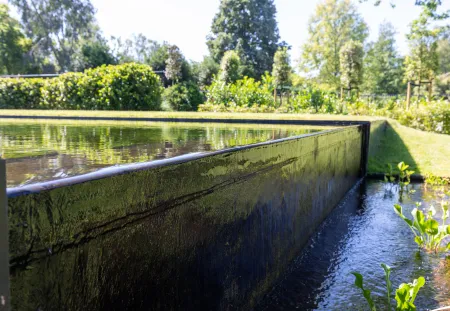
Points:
(185, 96)
(122, 87)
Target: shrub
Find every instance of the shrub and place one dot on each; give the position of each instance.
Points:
(20, 93)
(123, 87)
(183, 97)
(243, 93)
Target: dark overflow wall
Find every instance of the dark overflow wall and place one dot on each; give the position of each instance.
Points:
(203, 232)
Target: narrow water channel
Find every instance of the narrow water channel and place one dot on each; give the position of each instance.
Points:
(359, 235)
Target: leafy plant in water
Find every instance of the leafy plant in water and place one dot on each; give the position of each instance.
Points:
(434, 180)
(427, 231)
(405, 295)
(389, 177)
(404, 174)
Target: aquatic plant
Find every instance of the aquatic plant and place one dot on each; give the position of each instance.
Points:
(427, 231)
(434, 180)
(404, 174)
(405, 294)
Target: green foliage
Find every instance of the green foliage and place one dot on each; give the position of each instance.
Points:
(183, 97)
(95, 54)
(351, 63)
(366, 293)
(21, 93)
(405, 295)
(205, 71)
(56, 27)
(250, 28)
(13, 44)
(434, 180)
(404, 175)
(383, 67)
(230, 67)
(121, 87)
(334, 23)
(428, 234)
(174, 63)
(422, 63)
(443, 52)
(243, 93)
(281, 67)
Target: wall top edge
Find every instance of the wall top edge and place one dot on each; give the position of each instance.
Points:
(135, 167)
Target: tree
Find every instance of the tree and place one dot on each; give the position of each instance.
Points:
(205, 71)
(13, 43)
(443, 51)
(422, 62)
(281, 67)
(174, 64)
(383, 73)
(248, 27)
(351, 62)
(96, 53)
(430, 7)
(138, 49)
(56, 27)
(334, 23)
(230, 67)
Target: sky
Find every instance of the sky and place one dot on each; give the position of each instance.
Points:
(186, 23)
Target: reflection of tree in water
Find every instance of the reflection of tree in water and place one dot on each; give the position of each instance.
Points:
(43, 151)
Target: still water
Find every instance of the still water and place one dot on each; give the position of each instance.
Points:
(359, 235)
(39, 151)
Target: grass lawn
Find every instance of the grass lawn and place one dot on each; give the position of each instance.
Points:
(424, 152)
(178, 115)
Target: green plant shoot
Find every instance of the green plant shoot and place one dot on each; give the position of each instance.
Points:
(366, 292)
(405, 295)
(428, 234)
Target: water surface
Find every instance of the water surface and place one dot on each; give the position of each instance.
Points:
(359, 235)
(45, 150)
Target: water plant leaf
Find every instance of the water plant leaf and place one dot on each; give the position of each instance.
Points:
(431, 227)
(387, 275)
(399, 211)
(419, 240)
(366, 292)
(417, 285)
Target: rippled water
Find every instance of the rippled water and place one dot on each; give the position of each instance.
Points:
(45, 150)
(359, 235)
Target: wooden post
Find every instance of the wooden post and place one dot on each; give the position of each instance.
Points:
(430, 91)
(4, 241)
(408, 95)
(342, 93)
(275, 94)
(281, 97)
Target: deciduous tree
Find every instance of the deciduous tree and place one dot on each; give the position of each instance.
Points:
(56, 27)
(383, 67)
(13, 43)
(334, 23)
(422, 62)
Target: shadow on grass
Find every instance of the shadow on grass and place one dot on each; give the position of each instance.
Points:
(387, 147)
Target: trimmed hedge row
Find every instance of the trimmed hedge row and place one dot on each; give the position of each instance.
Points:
(122, 87)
